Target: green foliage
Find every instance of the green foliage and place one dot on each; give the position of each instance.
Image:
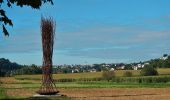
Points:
(127, 74)
(145, 79)
(7, 67)
(165, 55)
(33, 69)
(66, 70)
(128, 67)
(148, 71)
(2, 93)
(66, 80)
(35, 4)
(108, 75)
(160, 63)
(97, 67)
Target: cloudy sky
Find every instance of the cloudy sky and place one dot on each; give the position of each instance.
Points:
(91, 31)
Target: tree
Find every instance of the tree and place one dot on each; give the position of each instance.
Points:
(35, 4)
(165, 55)
(128, 67)
(148, 71)
(2, 73)
(97, 67)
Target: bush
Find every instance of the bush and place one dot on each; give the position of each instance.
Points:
(127, 74)
(108, 75)
(148, 71)
(66, 80)
(144, 79)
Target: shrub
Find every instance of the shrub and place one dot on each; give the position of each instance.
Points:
(108, 75)
(127, 74)
(144, 79)
(65, 80)
(148, 71)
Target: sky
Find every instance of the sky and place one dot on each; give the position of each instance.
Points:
(91, 31)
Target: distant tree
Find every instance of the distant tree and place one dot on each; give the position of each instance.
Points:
(165, 55)
(128, 67)
(2, 73)
(66, 70)
(97, 67)
(108, 75)
(35, 4)
(6, 65)
(166, 64)
(148, 71)
(169, 57)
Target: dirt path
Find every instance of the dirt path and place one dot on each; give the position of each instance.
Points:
(104, 93)
(118, 94)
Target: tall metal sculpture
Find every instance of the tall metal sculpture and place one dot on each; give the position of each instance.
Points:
(47, 32)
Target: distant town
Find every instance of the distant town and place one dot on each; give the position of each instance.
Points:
(160, 62)
(8, 68)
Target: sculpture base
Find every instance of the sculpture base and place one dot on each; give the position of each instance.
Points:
(54, 95)
(47, 97)
(47, 93)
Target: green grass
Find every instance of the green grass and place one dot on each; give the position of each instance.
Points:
(99, 84)
(125, 85)
(104, 84)
(2, 93)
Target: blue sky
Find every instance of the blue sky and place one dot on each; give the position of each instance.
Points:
(91, 31)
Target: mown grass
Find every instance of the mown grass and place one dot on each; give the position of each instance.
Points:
(163, 71)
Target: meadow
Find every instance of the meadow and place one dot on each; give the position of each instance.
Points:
(91, 86)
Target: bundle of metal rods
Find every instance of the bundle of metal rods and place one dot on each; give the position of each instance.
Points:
(48, 33)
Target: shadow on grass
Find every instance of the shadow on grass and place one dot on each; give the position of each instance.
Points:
(63, 97)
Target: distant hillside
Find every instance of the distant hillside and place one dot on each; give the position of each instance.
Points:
(6, 66)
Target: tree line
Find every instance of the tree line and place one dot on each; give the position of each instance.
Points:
(8, 68)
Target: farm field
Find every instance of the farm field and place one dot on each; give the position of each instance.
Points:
(25, 86)
(161, 71)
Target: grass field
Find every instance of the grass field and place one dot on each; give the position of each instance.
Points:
(25, 86)
(161, 71)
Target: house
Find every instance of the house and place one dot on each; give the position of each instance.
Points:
(75, 71)
(138, 66)
(120, 67)
(164, 58)
(93, 70)
(135, 68)
(112, 69)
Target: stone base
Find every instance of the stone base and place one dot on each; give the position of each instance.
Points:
(56, 95)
